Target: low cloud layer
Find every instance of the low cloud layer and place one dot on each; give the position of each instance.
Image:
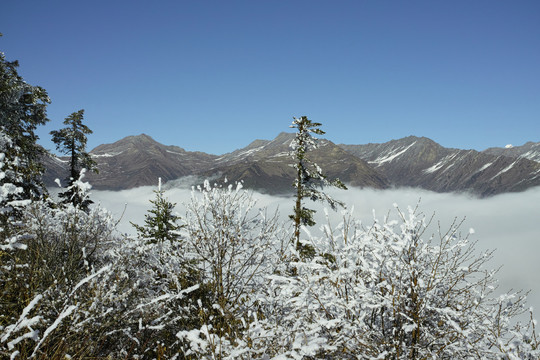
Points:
(508, 223)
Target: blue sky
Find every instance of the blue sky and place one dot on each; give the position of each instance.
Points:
(214, 75)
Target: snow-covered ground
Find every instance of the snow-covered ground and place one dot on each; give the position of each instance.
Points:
(509, 223)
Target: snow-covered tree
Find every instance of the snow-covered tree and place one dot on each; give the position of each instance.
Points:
(392, 291)
(235, 246)
(61, 248)
(12, 236)
(11, 194)
(71, 141)
(79, 291)
(22, 110)
(161, 223)
(163, 290)
(309, 176)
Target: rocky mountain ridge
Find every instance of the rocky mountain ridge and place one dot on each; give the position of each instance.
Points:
(421, 162)
(265, 165)
(529, 150)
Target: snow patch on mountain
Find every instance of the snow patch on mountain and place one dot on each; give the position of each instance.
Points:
(440, 164)
(391, 156)
(484, 167)
(106, 154)
(250, 151)
(532, 155)
(57, 159)
(175, 152)
(505, 169)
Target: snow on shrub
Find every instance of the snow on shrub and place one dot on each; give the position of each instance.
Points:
(235, 246)
(230, 283)
(392, 291)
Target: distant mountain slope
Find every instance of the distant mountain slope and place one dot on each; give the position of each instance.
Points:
(421, 162)
(137, 161)
(266, 165)
(55, 168)
(529, 150)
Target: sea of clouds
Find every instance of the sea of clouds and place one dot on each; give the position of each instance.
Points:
(507, 223)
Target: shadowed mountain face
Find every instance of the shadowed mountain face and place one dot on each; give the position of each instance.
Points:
(266, 165)
(420, 162)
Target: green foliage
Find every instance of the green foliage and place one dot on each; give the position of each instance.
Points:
(160, 222)
(309, 177)
(71, 141)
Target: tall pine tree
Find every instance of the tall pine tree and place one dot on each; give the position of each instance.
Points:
(23, 108)
(71, 141)
(309, 177)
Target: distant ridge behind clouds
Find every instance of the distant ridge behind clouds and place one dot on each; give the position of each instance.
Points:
(265, 165)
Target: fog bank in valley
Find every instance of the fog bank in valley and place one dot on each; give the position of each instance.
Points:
(508, 223)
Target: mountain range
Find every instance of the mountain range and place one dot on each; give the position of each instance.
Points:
(265, 165)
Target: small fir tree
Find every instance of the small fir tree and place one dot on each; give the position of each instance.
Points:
(309, 176)
(71, 141)
(160, 222)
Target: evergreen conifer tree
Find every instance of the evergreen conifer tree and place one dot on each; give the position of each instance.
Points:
(71, 141)
(22, 109)
(309, 176)
(160, 222)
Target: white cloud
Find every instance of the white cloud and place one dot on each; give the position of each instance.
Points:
(509, 223)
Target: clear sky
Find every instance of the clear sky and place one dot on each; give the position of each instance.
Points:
(214, 75)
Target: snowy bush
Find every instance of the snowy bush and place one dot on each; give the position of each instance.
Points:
(235, 247)
(85, 292)
(60, 250)
(392, 291)
(12, 231)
